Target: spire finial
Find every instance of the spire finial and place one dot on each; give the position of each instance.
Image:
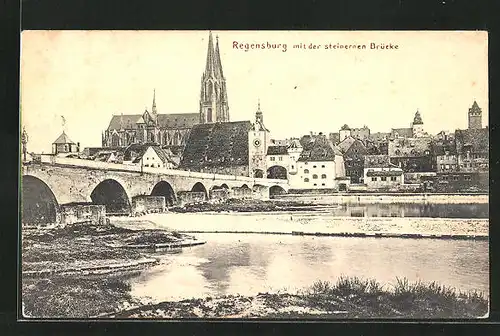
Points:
(258, 104)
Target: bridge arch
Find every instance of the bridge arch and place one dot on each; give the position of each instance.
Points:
(112, 194)
(277, 172)
(276, 190)
(200, 187)
(39, 204)
(163, 188)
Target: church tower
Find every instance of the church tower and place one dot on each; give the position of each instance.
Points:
(213, 96)
(258, 142)
(417, 126)
(475, 116)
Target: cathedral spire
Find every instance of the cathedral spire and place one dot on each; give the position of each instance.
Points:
(154, 101)
(217, 59)
(213, 96)
(211, 66)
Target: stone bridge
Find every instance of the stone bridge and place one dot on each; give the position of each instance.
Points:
(54, 181)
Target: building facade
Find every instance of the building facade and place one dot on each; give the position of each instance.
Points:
(354, 151)
(64, 146)
(319, 166)
(380, 174)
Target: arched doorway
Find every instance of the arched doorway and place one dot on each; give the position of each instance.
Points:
(199, 187)
(164, 189)
(276, 190)
(111, 194)
(39, 204)
(258, 173)
(276, 172)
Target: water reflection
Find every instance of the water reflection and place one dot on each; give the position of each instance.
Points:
(248, 264)
(412, 210)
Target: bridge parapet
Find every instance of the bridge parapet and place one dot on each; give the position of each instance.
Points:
(107, 166)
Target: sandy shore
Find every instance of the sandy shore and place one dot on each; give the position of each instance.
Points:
(303, 223)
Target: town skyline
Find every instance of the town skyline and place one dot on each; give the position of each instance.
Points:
(89, 76)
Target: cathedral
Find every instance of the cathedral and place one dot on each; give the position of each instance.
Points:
(172, 130)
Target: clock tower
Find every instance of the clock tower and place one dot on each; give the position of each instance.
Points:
(258, 141)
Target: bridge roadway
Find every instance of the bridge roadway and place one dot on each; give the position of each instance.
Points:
(76, 180)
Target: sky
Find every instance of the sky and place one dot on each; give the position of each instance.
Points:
(87, 76)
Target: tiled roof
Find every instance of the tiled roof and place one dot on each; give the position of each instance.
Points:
(346, 144)
(319, 149)
(63, 139)
(378, 161)
(175, 121)
(277, 150)
(217, 145)
(162, 154)
(478, 139)
(409, 147)
(385, 173)
(402, 132)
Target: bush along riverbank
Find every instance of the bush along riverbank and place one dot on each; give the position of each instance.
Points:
(348, 298)
(81, 270)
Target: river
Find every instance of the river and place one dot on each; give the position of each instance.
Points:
(246, 264)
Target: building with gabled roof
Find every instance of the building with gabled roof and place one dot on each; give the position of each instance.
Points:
(218, 148)
(63, 145)
(380, 174)
(320, 165)
(353, 150)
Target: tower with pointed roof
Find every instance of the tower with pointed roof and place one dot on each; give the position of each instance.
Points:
(417, 126)
(213, 96)
(259, 140)
(475, 116)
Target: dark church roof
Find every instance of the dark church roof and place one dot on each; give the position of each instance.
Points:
(217, 145)
(169, 121)
(417, 120)
(277, 150)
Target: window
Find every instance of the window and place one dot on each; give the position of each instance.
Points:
(467, 178)
(383, 178)
(315, 176)
(322, 166)
(315, 184)
(442, 167)
(447, 166)
(393, 178)
(323, 176)
(293, 167)
(455, 178)
(306, 179)
(306, 171)
(272, 158)
(323, 184)
(374, 179)
(281, 158)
